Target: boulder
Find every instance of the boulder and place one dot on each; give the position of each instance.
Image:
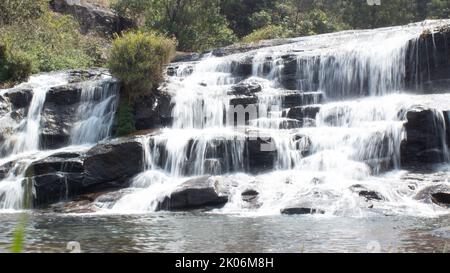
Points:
(249, 195)
(92, 17)
(245, 88)
(425, 138)
(260, 154)
(113, 163)
(63, 162)
(64, 95)
(438, 194)
(198, 193)
(20, 98)
(369, 195)
(55, 187)
(301, 209)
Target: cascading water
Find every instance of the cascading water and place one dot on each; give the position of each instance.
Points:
(21, 144)
(321, 159)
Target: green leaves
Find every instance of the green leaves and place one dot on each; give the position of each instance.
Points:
(138, 60)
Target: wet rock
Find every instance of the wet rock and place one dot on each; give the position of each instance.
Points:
(20, 98)
(438, 194)
(447, 126)
(244, 101)
(260, 154)
(306, 115)
(302, 209)
(153, 111)
(64, 95)
(425, 141)
(295, 99)
(242, 68)
(92, 17)
(113, 163)
(288, 75)
(250, 195)
(369, 195)
(246, 88)
(428, 65)
(5, 169)
(55, 187)
(199, 193)
(66, 163)
(82, 75)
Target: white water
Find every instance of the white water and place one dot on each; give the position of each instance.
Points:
(93, 122)
(352, 143)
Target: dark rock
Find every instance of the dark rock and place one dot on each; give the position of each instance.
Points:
(113, 163)
(304, 114)
(64, 95)
(5, 169)
(296, 99)
(301, 210)
(153, 111)
(246, 88)
(369, 195)
(260, 154)
(249, 195)
(428, 65)
(65, 163)
(56, 124)
(425, 138)
(199, 193)
(438, 194)
(92, 17)
(441, 198)
(244, 101)
(288, 74)
(242, 68)
(56, 187)
(20, 98)
(447, 126)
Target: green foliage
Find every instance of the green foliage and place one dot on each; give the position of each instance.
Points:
(125, 119)
(15, 11)
(266, 33)
(46, 40)
(19, 235)
(14, 67)
(197, 25)
(138, 60)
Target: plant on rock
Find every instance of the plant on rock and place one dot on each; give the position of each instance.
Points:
(138, 59)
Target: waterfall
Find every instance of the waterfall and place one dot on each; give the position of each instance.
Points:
(92, 122)
(348, 89)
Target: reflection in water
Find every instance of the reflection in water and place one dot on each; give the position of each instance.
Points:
(221, 233)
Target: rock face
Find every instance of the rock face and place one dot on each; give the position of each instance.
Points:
(62, 176)
(153, 111)
(199, 193)
(92, 18)
(425, 138)
(429, 64)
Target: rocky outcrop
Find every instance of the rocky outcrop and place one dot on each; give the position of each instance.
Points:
(19, 98)
(61, 105)
(425, 141)
(199, 193)
(63, 176)
(92, 17)
(153, 111)
(428, 65)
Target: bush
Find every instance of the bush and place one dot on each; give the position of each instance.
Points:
(125, 119)
(266, 33)
(15, 11)
(138, 60)
(14, 67)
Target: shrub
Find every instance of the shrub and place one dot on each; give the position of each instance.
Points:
(266, 33)
(14, 67)
(138, 60)
(125, 119)
(15, 11)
